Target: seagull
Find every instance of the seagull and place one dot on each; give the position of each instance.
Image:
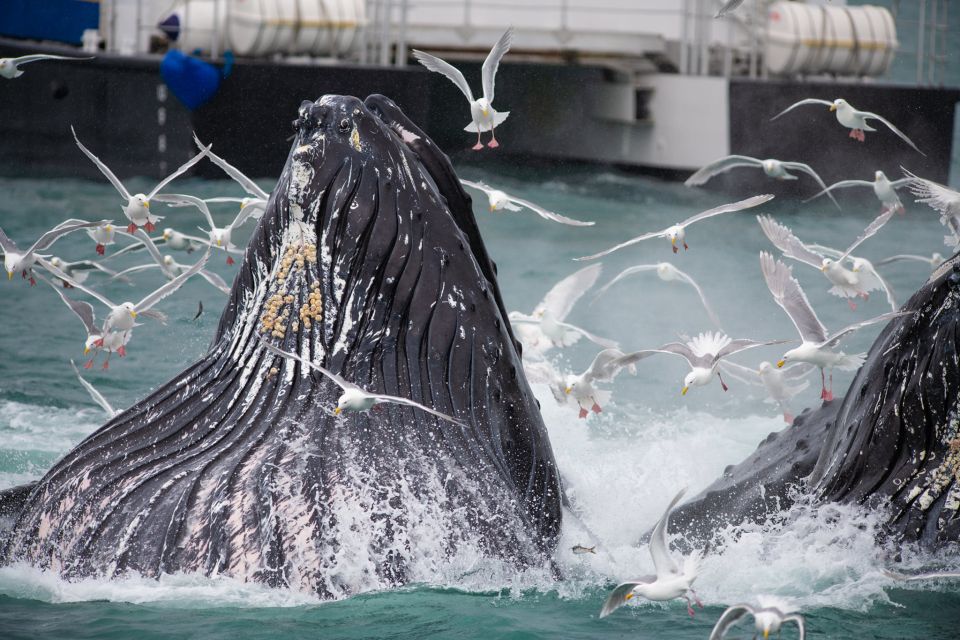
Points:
(103, 235)
(777, 169)
(941, 199)
(704, 352)
(484, 117)
(768, 618)
(933, 575)
(670, 582)
(96, 340)
(677, 232)
(171, 269)
(816, 345)
(123, 316)
(353, 398)
(852, 119)
(137, 208)
(728, 7)
(776, 382)
(883, 188)
(181, 241)
(604, 368)
(260, 196)
(23, 261)
(219, 236)
(96, 395)
(546, 328)
(10, 67)
(500, 201)
(80, 270)
(846, 283)
(934, 260)
(869, 278)
(668, 273)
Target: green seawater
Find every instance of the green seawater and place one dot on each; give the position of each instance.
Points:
(620, 468)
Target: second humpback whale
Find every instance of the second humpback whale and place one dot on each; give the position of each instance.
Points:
(369, 262)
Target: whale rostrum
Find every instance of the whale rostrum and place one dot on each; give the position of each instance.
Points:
(367, 261)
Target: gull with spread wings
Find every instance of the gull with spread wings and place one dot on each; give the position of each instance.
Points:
(604, 368)
(852, 119)
(668, 273)
(883, 188)
(771, 614)
(498, 201)
(776, 169)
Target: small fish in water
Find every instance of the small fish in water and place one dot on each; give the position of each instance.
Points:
(580, 549)
(199, 311)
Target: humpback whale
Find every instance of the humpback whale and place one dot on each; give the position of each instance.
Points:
(369, 262)
(892, 442)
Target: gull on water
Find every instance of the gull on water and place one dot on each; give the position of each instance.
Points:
(668, 273)
(96, 395)
(498, 201)
(123, 316)
(137, 208)
(10, 67)
(546, 328)
(15, 260)
(852, 119)
(670, 581)
(604, 368)
(941, 199)
(776, 382)
(934, 260)
(777, 169)
(768, 617)
(219, 236)
(484, 117)
(847, 284)
(816, 347)
(883, 188)
(704, 352)
(677, 233)
(353, 398)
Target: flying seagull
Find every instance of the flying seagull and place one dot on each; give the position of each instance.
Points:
(10, 67)
(499, 201)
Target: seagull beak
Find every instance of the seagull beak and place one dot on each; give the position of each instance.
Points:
(833, 107)
(166, 235)
(219, 243)
(9, 275)
(673, 241)
(824, 269)
(568, 390)
(146, 204)
(683, 391)
(133, 314)
(86, 350)
(492, 208)
(780, 363)
(486, 112)
(337, 411)
(109, 228)
(766, 634)
(628, 596)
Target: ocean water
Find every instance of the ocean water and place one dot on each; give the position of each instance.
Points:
(620, 468)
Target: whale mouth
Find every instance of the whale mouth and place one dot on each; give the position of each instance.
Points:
(367, 261)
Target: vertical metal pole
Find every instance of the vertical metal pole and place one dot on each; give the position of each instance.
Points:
(215, 32)
(385, 33)
(138, 34)
(920, 40)
(704, 38)
(754, 39)
(402, 38)
(685, 39)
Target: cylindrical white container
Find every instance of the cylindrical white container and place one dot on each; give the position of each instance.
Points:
(809, 39)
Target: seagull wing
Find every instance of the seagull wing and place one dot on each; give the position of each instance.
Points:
(659, 550)
(549, 215)
(787, 293)
(563, 295)
(902, 182)
(411, 403)
(728, 208)
(603, 342)
(901, 257)
(182, 200)
(8, 245)
(742, 344)
(685, 352)
(720, 166)
(626, 273)
(490, 65)
(870, 231)
(96, 395)
(889, 125)
(147, 243)
(44, 56)
(609, 362)
(338, 380)
(800, 104)
(843, 184)
(215, 280)
(136, 269)
(243, 215)
(646, 236)
(887, 289)
(835, 338)
(62, 229)
(729, 618)
(482, 186)
(238, 176)
(433, 63)
(744, 374)
(703, 299)
(83, 310)
(76, 285)
(180, 171)
(939, 197)
(807, 169)
(782, 238)
(104, 169)
(796, 617)
(171, 286)
(618, 597)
